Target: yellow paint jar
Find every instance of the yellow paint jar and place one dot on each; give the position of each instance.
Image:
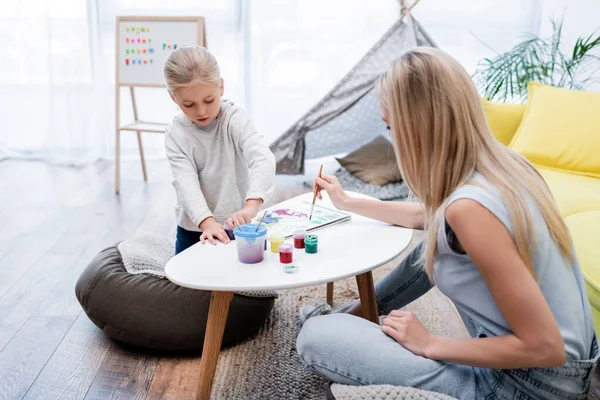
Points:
(276, 239)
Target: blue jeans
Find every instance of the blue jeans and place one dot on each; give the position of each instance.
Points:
(185, 239)
(354, 351)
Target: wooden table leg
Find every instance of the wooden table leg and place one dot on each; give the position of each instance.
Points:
(213, 337)
(330, 293)
(368, 302)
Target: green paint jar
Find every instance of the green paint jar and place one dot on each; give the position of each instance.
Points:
(311, 243)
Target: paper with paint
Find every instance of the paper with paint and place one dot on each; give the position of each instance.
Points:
(294, 216)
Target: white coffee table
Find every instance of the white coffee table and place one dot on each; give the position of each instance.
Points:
(349, 249)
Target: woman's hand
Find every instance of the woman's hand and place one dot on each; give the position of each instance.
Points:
(407, 330)
(245, 215)
(332, 186)
(211, 230)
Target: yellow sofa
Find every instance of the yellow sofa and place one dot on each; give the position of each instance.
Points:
(559, 132)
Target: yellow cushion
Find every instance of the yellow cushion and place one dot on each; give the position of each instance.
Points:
(561, 129)
(585, 231)
(596, 316)
(573, 193)
(503, 119)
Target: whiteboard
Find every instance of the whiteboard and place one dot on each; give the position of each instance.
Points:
(144, 44)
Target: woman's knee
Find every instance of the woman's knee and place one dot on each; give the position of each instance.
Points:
(318, 335)
(323, 345)
(310, 342)
(329, 335)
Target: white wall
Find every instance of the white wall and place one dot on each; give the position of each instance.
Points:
(297, 50)
(581, 18)
(472, 30)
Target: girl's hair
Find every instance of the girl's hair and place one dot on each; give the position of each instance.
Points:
(191, 65)
(442, 137)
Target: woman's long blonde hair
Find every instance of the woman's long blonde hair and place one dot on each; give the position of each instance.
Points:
(442, 137)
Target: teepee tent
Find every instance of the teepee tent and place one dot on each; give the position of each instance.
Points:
(348, 116)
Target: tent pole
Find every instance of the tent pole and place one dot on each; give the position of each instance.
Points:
(404, 10)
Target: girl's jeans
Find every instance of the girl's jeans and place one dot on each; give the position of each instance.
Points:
(354, 351)
(185, 239)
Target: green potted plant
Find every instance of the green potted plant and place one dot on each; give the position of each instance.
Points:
(505, 77)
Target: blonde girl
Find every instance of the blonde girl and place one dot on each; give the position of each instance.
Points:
(496, 246)
(222, 168)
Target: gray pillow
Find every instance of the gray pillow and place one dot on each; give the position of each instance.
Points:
(148, 311)
(374, 163)
(390, 191)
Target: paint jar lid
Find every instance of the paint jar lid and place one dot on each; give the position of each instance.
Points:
(290, 268)
(286, 248)
(300, 233)
(277, 237)
(310, 239)
(249, 231)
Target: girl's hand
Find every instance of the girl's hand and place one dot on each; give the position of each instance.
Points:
(407, 330)
(245, 215)
(211, 230)
(332, 186)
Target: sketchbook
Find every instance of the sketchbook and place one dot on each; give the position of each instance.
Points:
(294, 216)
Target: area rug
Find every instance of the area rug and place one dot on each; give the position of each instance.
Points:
(267, 366)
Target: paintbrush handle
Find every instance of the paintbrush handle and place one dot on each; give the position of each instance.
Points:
(316, 189)
(315, 195)
(261, 220)
(312, 208)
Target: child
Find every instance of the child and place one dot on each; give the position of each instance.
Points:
(496, 246)
(223, 171)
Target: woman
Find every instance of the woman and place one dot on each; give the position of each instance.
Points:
(496, 246)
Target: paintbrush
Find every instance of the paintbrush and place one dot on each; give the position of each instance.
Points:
(312, 207)
(261, 220)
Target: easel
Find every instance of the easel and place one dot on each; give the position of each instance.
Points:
(137, 125)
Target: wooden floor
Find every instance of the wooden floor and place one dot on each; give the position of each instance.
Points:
(53, 221)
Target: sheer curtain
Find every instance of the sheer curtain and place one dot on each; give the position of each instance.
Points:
(52, 96)
(278, 58)
(57, 75)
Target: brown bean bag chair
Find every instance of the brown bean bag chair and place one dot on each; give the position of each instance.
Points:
(150, 311)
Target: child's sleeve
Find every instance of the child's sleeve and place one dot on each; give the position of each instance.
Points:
(186, 182)
(258, 156)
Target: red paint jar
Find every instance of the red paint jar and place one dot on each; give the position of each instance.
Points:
(299, 239)
(286, 253)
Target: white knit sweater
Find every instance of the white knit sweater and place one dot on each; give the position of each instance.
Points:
(218, 167)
